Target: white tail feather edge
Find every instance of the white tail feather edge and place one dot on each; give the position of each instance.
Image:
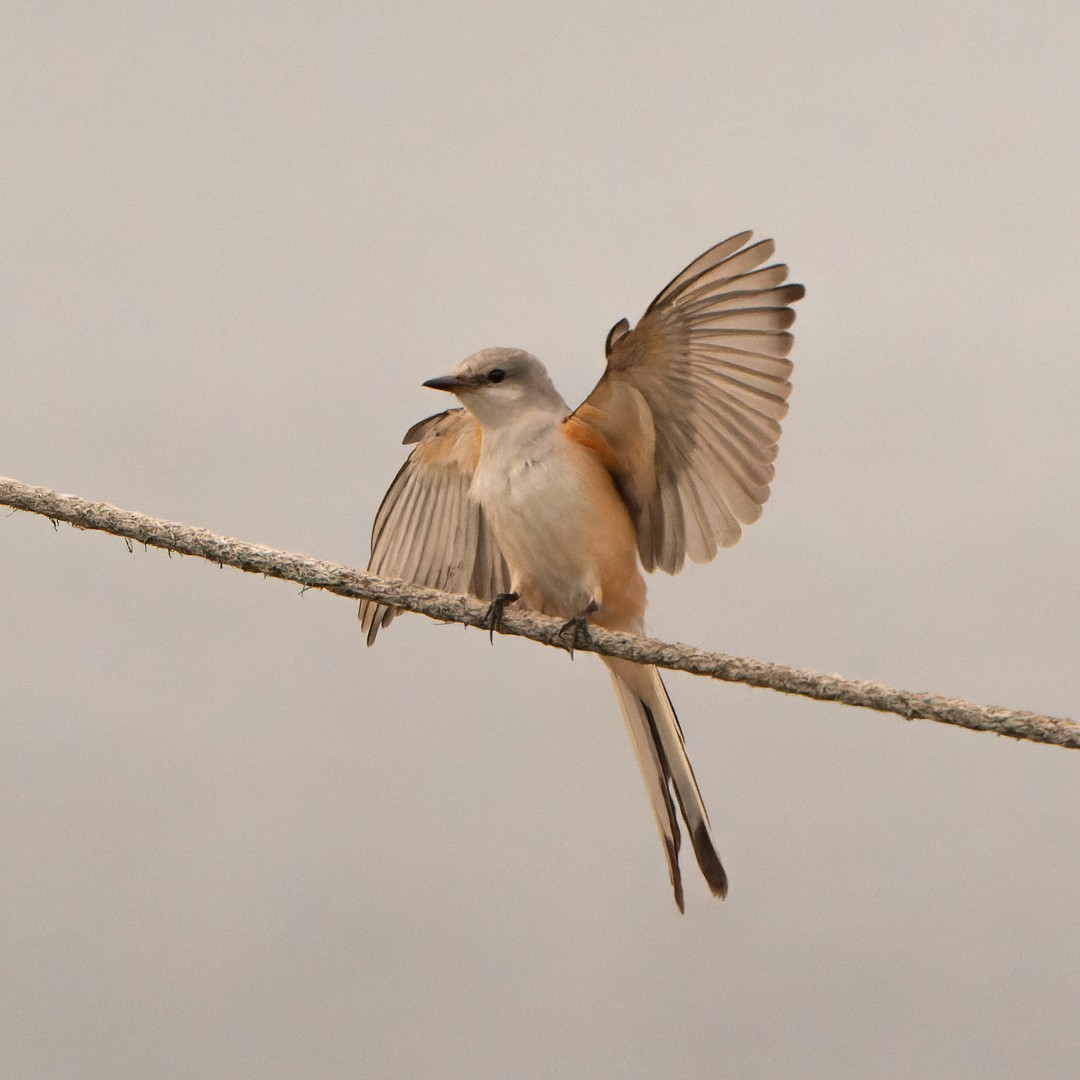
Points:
(658, 744)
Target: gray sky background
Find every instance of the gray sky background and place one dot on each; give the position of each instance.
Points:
(233, 842)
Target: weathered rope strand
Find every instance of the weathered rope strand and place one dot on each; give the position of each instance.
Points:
(345, 581)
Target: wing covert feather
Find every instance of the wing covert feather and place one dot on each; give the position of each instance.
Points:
(428, 529)
(692, 399)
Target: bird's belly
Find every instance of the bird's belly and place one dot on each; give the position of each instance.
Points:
(564, 532)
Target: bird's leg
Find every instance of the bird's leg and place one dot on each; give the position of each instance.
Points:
(578, 627)
(493, 615)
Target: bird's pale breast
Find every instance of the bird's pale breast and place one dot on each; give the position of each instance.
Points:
(562, 527)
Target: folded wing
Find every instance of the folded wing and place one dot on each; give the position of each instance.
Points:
(692, 399)
(428, 530)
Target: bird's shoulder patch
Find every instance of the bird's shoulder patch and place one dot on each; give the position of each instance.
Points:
(578, 429)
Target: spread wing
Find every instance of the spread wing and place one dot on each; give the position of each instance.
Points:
(428, 530)
(692, 399)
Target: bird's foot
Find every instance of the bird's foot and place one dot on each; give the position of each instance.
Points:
(493, 615)
(578, 627)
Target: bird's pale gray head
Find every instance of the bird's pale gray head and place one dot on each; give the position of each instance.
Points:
(499, 384)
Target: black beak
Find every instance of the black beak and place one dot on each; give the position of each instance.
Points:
(449, 383)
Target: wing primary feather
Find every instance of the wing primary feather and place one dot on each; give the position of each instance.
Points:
(390, 502)
(717, 253)
(766, 402)
(722, 493)
(417, 535)
(780, 340)
(753, 319)
(732, 266)
(708, 298)
(440, 534)
(763, 280)
(757, 431)
(740, 361)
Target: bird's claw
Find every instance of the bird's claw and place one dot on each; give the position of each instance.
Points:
(578, 627)
(493, 615)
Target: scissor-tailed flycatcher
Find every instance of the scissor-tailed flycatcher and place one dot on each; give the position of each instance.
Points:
(515, 497)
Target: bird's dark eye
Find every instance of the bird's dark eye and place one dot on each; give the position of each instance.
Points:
(496, 375)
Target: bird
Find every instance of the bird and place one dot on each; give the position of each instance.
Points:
(513, 497)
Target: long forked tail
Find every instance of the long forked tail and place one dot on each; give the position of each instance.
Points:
(658, 743)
